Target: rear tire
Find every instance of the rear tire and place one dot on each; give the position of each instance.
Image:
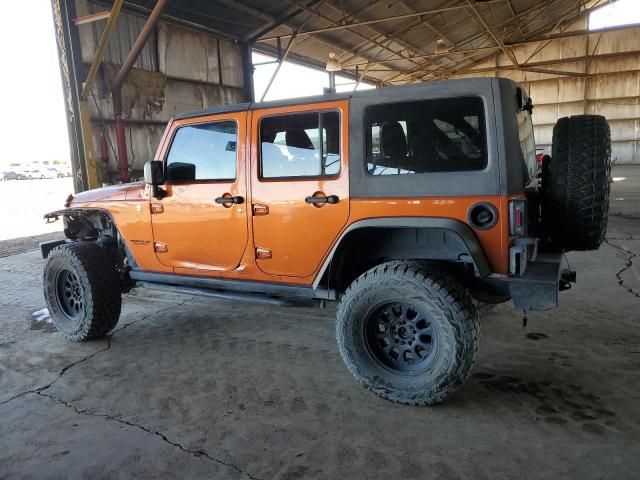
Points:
(576, 183)
(408, 334)
(82, 290)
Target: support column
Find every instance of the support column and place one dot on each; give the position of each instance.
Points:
(68, 43)
(116, 87)
(247, 72)
(332, 82)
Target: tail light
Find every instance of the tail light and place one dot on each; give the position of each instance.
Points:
(523, 249)
(517, 218)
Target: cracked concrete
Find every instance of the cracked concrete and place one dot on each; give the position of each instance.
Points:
(628, 266)
(197, 388)
(197, 453)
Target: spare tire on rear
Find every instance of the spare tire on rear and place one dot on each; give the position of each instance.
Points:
(576, 183)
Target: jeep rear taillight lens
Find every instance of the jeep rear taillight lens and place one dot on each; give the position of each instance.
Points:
(517, 217)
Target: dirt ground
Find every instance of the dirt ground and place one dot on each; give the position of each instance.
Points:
(196, 388)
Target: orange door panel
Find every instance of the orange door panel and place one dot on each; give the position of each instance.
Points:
(296, 218)
(195, 226)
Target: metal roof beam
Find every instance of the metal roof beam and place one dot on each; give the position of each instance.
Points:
(328, 19)
(499, 42)
(548, 38)
(465, 52)
(472, 52)
(397, 37)
(565, 18)
(378, 20)
(102, 46)
(275, 23)
(94, 17)
(557, 61)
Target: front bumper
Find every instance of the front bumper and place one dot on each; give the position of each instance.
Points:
(46, 247)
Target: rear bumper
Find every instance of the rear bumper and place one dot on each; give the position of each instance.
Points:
(537, 289)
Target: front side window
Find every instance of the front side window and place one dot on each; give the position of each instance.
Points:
(444, 135)
(300, 145)
(205, 151)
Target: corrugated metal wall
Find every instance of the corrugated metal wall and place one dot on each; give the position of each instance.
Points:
(607, 84)
(179, 70)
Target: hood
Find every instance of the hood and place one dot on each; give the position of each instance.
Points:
(106, 194)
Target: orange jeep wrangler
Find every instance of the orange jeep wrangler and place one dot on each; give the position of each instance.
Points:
(404, 204)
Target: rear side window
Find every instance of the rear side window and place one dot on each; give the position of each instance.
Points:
(527, 143)
(444, 135)
(300, 145)
(205, 151)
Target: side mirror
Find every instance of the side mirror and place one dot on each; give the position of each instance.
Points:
(154, 176)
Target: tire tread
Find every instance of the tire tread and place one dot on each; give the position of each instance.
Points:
(450, 295)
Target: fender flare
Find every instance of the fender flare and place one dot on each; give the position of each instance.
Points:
(55, 215)
(461, 229)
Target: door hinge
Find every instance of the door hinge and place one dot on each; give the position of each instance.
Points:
(263, 253)
(260, 209)
(157, 208)
(160, 247)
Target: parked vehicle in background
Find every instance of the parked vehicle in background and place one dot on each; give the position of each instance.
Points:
(63, 170)
(407, 205)
(37, 173)
(54, 172)
(12, 175)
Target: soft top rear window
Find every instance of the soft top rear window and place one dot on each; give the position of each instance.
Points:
(440, 135)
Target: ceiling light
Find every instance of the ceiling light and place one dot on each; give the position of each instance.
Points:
(333, 64)
(441, 47)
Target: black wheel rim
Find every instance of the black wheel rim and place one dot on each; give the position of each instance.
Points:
(70, 293)
(401, 337)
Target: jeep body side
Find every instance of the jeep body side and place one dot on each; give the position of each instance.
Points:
(306, 200)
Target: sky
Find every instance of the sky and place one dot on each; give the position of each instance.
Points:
(623, 12)
(33, 123)
(295, 80)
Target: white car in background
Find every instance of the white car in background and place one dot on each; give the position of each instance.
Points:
(40, 173)
(55, 172)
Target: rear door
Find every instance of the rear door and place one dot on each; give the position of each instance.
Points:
(202, 222)
(300, 185)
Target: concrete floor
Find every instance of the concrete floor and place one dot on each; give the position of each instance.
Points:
(194, 388)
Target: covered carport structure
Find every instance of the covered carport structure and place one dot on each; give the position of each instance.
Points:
(128, 66)
(196, 387)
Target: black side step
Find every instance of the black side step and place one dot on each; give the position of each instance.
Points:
(221, 285)
(239, 296)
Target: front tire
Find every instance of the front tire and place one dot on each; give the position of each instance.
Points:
(82, 290)
(407, 333)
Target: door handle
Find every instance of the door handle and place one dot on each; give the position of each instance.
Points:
(332, 199)
(225, 200)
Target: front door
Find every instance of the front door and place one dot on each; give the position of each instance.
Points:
(202, 222)
(300, 185)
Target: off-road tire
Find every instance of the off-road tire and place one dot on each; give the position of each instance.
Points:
(98, 286)
(450, 310)
(576, 183)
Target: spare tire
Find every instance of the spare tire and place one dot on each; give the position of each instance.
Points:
(576, 183)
